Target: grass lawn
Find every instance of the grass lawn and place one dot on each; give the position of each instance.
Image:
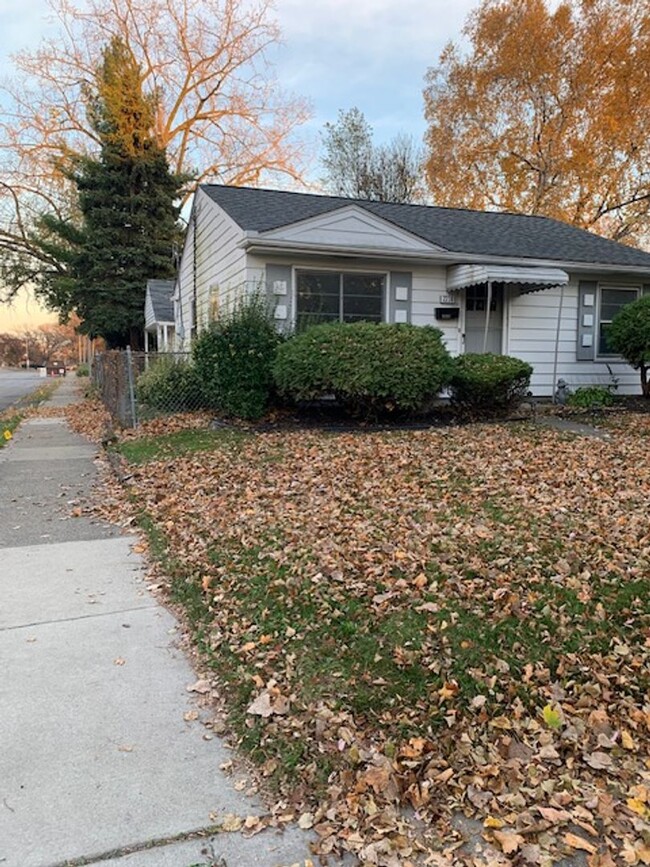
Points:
(446, 620)
(142, 449)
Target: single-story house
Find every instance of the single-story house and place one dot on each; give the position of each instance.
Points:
(159, 316)
(527, 286)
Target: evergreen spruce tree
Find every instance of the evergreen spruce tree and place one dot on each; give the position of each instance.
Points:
(127, 211)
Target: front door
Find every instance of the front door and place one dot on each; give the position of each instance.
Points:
(475, 313)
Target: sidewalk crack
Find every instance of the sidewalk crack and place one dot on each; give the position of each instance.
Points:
(78, 617)
(156, 843)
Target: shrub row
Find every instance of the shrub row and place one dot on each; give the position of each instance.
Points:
(373, 369)
(369, 368)
(241, 366)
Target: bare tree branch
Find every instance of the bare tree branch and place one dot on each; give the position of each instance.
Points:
(221, 115)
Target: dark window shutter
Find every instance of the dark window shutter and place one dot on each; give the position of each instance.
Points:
(399, 297)
(587, 323)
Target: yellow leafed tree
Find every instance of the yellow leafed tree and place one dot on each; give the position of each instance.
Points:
(547, 112)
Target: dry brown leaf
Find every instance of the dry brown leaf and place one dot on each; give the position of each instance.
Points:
(202, 687)
(509, 841)
(576, 842)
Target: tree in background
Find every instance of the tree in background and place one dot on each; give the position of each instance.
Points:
(12, 350)
(128, 209)
(39, 346)
(219, 112)
(547, 113)
(356, 168)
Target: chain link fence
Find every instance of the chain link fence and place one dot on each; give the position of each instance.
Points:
(136, 386)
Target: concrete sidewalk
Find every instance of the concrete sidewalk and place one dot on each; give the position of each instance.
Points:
(97, 764)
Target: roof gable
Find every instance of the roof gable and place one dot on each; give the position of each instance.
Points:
(350, 226)
(158, 305)
(463, 232)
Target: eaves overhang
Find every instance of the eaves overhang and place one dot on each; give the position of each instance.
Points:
(255, 243)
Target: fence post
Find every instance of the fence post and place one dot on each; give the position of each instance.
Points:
(129, 363)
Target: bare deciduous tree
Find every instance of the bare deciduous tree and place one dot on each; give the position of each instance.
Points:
(357, 168)
(221, 114)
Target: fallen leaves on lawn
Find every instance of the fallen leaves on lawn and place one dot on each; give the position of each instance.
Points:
(412, 626)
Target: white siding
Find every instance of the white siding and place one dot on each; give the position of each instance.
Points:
(220, 266)
(429, 286)
(531, 335)
(530, 321)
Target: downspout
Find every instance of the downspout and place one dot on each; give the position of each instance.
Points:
(488, 304)
(195, 313)
(557, 343)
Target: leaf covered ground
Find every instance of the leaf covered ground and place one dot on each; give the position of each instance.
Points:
(412, 627)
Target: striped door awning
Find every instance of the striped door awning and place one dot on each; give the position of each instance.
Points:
(530, 279)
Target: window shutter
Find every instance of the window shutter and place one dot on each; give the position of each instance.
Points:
(398, 302)
(587, 325)
(279, 294)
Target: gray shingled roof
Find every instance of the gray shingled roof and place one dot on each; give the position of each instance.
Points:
(460, 231)
(160, 292)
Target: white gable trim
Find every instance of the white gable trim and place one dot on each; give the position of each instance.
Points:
(349, 227)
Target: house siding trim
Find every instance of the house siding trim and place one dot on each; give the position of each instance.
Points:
(257, 245)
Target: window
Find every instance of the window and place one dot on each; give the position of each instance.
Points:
(476, 298)
(328, 296)
(612, 301)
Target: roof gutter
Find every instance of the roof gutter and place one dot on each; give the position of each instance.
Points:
(253, 242)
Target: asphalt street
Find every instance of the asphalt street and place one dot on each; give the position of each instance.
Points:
(15, 384)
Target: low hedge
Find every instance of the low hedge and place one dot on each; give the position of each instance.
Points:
(486, 384)
(170, 385)
(370, 368)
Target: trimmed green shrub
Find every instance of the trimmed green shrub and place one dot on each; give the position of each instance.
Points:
(368, 367)
(233, 360)
(487, 384)
(82, 370)
(170, 385)
(629, 335)
(591, 397)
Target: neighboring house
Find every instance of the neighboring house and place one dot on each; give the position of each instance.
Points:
(531, 287)
(159, 316)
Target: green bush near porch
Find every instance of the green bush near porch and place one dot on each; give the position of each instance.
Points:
(488, 384)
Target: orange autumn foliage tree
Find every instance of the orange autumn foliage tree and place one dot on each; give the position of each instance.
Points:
(548, 112)
(220, 112)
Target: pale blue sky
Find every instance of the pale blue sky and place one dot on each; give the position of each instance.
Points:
(372, 54)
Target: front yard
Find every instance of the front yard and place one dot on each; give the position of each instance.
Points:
(411, 626)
